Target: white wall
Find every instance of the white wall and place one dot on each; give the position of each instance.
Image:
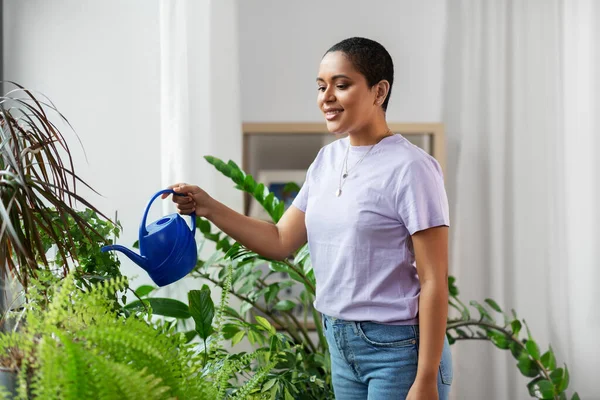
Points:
(282, 42)
(99, 63)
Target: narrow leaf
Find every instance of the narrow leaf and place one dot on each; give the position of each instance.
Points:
(533, 349)
(494, 305)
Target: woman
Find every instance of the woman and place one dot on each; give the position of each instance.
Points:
(374, 211)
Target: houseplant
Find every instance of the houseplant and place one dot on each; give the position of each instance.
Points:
(548, 379)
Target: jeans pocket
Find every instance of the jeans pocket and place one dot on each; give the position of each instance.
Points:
(387, 336)
(446, 370)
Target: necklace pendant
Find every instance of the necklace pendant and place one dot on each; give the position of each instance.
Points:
(338, 193)
(345, 175)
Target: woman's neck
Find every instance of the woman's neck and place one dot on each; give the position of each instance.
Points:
(369, 135)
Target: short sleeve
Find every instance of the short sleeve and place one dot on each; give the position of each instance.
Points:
(301, 199)
(421, 199)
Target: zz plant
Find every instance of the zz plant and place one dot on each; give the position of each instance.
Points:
(261, 296)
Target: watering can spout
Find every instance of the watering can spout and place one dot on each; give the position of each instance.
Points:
(136, 258)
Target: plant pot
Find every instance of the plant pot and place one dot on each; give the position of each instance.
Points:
(8, 382)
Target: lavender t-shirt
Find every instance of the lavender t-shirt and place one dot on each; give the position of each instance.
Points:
(360, 243)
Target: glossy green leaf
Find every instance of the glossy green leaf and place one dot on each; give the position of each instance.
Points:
(268, 385)
(528, 367)
(265, 324)
(237, 337)
(144, 290)
(162, 306)
(541, 389)
(548, 360)
(560, 378)
(533, 349)
(202, 310)
(249, 184)
(575, 397)
(517, 350)
(499, 339)
(516, 327)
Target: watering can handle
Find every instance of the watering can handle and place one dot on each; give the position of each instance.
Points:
(143, 231)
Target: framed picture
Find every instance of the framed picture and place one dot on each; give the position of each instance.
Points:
(277, 181)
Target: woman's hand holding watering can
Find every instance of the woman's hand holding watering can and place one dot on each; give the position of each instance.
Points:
(192, 200)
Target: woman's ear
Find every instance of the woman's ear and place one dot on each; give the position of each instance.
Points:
(381, 91)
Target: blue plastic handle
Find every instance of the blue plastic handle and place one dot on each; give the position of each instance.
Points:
(143, 231)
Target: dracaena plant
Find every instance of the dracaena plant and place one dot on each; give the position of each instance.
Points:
(38, 185)
(260, 296)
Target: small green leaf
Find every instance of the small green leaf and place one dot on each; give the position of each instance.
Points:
(268, 385)
(499, 339)
(249, 184)
(484, 314)
(144, 290)
(452, 289)
(494, 305)
(265, 324)
(203, 225)
(259, 192)
(285, 305)
(560, 378)
(202, 310)
(575, 397)
(548, 360)
(162, 306)
(517, 350)
(528, 367)
(533, 349)
(516, 327)
(541, 389)
(136, 244)
(237, 337)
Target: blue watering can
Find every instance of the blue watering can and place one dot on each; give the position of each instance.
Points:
(167, 246)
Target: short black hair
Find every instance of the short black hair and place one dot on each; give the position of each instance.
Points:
(370, 59)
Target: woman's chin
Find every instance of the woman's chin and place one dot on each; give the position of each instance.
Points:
(335, 127)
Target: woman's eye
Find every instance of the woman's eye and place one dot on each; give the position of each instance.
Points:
(341, 87)
(321, 88)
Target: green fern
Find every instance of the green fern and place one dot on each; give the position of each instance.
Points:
(79, 346)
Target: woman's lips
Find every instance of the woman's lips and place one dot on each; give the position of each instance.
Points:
(332, 114)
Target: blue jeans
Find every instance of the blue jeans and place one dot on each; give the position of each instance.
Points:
(371, 361)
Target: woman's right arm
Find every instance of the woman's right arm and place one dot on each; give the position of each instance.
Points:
(267, 239)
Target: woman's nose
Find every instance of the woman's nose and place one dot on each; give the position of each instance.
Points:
(329, 95)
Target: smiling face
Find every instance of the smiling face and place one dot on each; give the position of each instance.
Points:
(344, 96)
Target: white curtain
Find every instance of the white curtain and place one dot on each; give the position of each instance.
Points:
(200, 106)
(521, 108)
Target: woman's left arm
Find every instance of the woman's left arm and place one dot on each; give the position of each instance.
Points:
(431, 253)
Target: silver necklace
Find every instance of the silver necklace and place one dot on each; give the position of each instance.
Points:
(344, 170)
